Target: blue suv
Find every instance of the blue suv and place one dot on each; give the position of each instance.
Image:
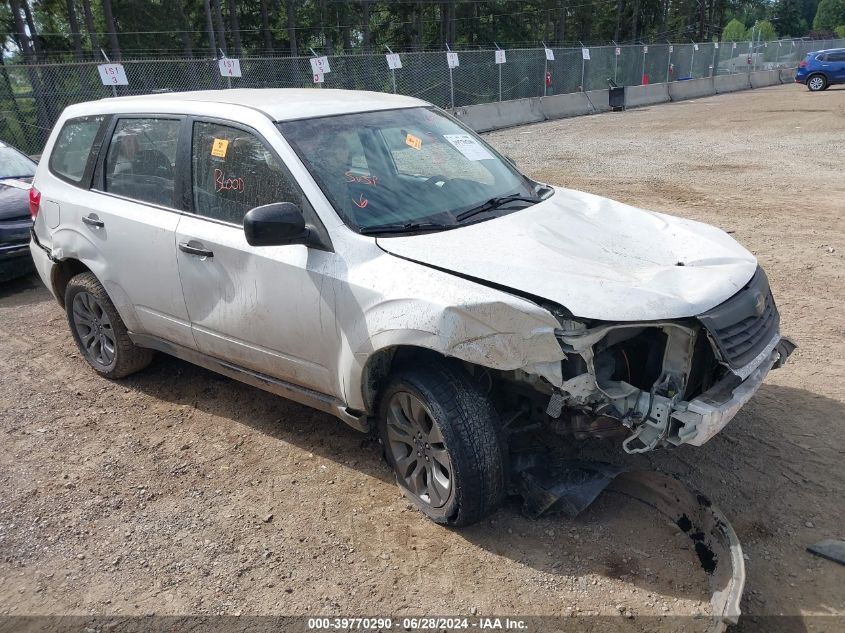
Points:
(822, 69)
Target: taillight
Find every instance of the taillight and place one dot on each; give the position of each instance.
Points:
(34, 202)
(803, 64)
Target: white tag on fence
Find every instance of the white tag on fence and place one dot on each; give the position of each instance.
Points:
(645, 49)
(500, 57)
(452, 59)
(393, 61)
(113, 75)
(716, 44)
(734, 46)
(695, 47)
(319, 78)
(320, 65)
(550, 54)
(671, 49)
(618, 51)
(229, 67)
(585, 54)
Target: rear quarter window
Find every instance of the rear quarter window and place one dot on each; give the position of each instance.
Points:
(72, 149)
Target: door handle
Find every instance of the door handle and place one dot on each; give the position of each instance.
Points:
(93, 221)
(186, 247)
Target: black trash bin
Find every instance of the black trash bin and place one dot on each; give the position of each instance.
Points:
(616, 98)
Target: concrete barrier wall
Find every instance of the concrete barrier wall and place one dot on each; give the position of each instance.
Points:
(691, 89)
(649, 94)
(764, 78)
(562, 106)
(494, 116)
(731, 83)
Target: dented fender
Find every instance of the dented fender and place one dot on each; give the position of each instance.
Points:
(448, 315)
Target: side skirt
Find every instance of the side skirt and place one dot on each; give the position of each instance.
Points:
(302, 395)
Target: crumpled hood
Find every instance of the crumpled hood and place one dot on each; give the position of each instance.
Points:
(598, 258)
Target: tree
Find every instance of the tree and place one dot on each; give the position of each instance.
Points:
(765, 31)
(111, 27)
(735, 31)
(789, 15)
(840, 32)
(830, 14)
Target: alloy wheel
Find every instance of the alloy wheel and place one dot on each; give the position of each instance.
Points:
(419, 453)
(816, 83)
(94, 328)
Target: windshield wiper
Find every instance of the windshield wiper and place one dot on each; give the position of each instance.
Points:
(493, 203)
(404, 228)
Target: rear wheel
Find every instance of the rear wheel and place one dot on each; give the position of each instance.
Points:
(816, 83)
(99, 331)
(441, 437)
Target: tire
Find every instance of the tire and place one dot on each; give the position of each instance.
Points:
(98, 330)
(816, 83)
(437, 411)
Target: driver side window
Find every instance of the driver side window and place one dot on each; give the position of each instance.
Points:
(232, 171)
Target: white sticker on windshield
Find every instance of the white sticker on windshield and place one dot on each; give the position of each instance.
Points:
(468, 146)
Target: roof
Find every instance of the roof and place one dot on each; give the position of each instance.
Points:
(282, 104)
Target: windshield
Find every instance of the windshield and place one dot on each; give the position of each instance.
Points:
(13, 164)
(409, 168)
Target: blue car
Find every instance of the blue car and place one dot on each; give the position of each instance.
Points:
(822, 69)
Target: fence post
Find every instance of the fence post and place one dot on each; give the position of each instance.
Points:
(692, 61)
(392, 71)
(583, 66)
(451, 82)
(669, 62)
(545, 68)
(645, 52)
(616, 52)
(500, 73)
(713, 72)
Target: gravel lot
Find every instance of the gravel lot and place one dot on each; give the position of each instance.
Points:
(177, 491)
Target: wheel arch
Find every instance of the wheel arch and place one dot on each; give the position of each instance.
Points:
(63, 271)
(66, 269)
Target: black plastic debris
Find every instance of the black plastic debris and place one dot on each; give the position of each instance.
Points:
(563, 486)
(831, 549)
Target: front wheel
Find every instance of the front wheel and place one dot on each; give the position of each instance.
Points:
(816, 83)
(441, 437)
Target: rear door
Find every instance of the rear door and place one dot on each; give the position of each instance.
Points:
(260, 307)
(131, 220)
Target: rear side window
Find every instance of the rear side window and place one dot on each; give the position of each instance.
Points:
(837, 56)
(233, 172)
(140, 163)
(73, 148)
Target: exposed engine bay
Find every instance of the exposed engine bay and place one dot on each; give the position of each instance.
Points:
(654, 383)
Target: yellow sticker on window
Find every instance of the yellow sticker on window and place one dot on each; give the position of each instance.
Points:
(413, 141)
(219, 147)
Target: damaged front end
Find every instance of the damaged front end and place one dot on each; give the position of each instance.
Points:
(659, 383)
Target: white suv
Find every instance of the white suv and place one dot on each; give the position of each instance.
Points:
(368, 255)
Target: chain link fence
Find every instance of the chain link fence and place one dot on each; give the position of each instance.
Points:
(33, 96)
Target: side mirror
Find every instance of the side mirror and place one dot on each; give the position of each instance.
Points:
(275, 224)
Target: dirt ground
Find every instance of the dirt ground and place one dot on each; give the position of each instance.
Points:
(178, 491)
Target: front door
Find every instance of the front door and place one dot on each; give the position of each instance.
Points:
(260, 307)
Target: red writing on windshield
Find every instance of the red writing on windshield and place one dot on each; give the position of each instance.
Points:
(361, 180)
(361, 202)
(222, 183)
